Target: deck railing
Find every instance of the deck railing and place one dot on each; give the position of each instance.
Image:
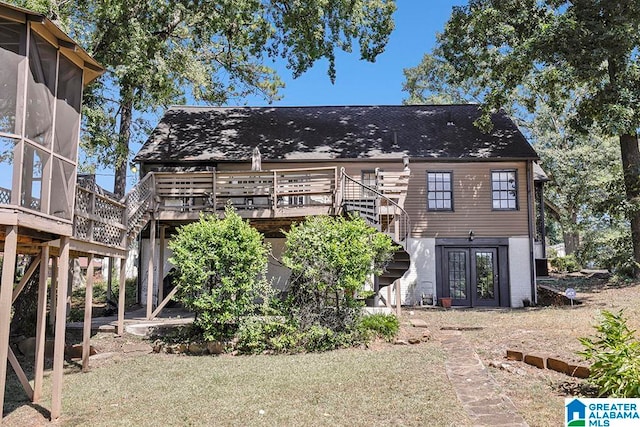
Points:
(5, 196)
(98, 218)
(281, 192)
(246, 190)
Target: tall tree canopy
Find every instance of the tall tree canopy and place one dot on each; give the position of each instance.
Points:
(583, 196)
(558, 46)
(159, 51)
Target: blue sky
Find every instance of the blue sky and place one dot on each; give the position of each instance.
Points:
(364, 83)
(358, 82)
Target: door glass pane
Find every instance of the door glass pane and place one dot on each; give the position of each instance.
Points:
(457, 274)
(484, 275)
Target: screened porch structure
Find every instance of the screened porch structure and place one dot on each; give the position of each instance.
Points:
(42, 75)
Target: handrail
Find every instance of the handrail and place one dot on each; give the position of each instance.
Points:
(136, 210)
(401, 218)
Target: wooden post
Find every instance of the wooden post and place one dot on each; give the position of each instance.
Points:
(6, 291)
(122, 295)
(53, 291)
(152, 255)
(110, 279)
(274, 202)
(398, 298)
(161, 266)
(41, 324)
(88, 306)
(60, 329)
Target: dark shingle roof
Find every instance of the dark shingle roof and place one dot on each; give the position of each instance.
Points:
(323, 133)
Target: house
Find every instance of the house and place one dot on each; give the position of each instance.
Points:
(459, 201)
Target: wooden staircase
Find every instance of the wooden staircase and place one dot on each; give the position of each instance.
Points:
(382, 208)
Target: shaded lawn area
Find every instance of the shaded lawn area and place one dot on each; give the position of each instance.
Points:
(393, 385)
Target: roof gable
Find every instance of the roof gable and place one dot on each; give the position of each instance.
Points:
(326, 133)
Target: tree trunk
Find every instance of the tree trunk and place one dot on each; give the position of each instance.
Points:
(571, 242)
(631, 170)
(126, 113)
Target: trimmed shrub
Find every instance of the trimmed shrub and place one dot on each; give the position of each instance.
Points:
(565, 264)
(382, 325)
(221, 265)
(330, 259)
(259, 334)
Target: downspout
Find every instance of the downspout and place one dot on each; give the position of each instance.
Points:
(531, 220)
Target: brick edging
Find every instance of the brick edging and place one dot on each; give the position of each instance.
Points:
(553, 363)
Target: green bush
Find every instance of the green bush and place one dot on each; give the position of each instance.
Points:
(615, 356)
(611, 249)
(318, 338)
(565, 264)
(259, 334)
(221, 265)
(330, 259)
(382, 325)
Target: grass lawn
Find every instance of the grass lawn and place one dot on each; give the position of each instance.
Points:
(393, 385)
(384, 385)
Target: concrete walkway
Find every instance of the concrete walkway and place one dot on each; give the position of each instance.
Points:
(136, 323)
(475, 387)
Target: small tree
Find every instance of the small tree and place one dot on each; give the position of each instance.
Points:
(615, 356)
(331, 259)
(221, 265)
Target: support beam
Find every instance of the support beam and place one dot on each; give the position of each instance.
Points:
(6, 292)
(88, 306)
(53, 291)
(161, 265)
(25, 279)
(398, 298)
(110, 279)
(22, 377)
(60, 329)
(41, 325)
(152, 255)
(163, 303)
(122, 292)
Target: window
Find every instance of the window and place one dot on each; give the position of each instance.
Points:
(439, 191)
(368, 178)
(504, 189)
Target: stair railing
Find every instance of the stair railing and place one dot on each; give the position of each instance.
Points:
(139, 201)
(375, 208)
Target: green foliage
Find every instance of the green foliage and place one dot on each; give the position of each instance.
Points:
(220, 263)
(278, 334)
(550, 52)
(259, 334)
(565, 264)
(159, 53)
(490, 54)
(382, 325)
(331, 259)
(609, 248)
(615, 356)
(318, 338)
